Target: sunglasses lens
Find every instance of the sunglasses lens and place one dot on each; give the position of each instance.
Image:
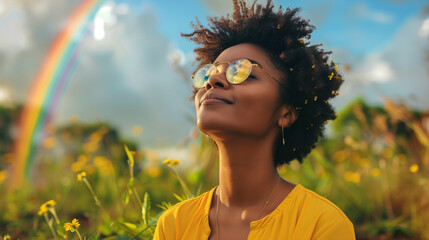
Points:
(238, 71)
(203, 74)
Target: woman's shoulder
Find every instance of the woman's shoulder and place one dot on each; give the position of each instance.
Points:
(317, 204)
(312, 216)
(189, 207)
(187, 218)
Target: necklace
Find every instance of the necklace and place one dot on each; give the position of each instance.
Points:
(260, 214)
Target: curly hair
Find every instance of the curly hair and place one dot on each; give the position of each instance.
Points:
(309, 79)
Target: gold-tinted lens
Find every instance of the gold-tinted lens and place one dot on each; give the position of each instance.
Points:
(203, 74)
(238, 71)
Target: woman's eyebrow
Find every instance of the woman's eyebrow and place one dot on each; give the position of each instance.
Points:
(254, 62)
(251, 60)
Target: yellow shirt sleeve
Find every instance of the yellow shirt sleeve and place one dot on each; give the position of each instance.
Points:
(186, 220)
(165, 228)
(342, 231)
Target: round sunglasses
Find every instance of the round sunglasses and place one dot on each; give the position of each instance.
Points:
(237, 72)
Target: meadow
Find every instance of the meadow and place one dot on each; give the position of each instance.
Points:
(90, 183)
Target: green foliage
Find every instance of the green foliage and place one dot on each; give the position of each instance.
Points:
(373, 165)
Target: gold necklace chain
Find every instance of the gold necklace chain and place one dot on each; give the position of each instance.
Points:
(260, 214)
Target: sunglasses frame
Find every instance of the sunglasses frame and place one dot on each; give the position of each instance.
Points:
(229, 64)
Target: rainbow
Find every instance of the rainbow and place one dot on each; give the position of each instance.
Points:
(48, 86)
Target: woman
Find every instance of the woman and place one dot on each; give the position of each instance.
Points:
(261, 93)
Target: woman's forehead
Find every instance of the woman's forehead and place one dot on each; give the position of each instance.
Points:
(244, 50)
(249, 51)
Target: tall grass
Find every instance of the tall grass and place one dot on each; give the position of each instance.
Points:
(373, 165)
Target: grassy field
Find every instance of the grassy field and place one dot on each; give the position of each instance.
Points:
(89, 183)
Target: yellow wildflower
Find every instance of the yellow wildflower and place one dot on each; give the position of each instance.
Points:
(375, 172)
(171, 162)
(302, 41)
(331, 76)
(95, 137)
(153, 171)
(82, 158)
(315, 98)
(414, 168)
(100, 161)
(68, 227)
(352, 176)
(291, 69)
(3, 175)
(43, 210)
(340, 155)
(103, 164)
(336, 67)
(305, 102)
(313, 66)
(91, 146)
(137, 130)
(77, 166)
(7, 237)
(80, 176)
(364, 162)
(72, 226)
(50, 203)
(45, 207)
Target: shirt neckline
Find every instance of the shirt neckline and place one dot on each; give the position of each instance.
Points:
(280, 208)
(260, 222)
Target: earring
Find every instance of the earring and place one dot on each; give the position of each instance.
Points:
(283, 136)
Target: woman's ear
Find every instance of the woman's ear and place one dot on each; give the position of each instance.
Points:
(288, 116)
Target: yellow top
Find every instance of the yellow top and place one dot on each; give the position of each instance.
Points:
(302, 215)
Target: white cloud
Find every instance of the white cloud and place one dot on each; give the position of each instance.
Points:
(5, 96)
(104, 16)
(13, 32)
(375, 69)
(122, 9)
(424, 29)
(362, 10)
(126, 78)
(399, 71)
(176, 56)
(99, 32)
(2, 8)
(224, 6)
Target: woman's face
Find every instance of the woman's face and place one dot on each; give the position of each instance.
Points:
(249, 108)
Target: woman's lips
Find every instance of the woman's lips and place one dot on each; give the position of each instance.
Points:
(214, 98)
(213, 101)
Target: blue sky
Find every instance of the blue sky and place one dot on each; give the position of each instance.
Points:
(362, 26)
(134, 72)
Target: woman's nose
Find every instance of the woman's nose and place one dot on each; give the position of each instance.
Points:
(217, 80)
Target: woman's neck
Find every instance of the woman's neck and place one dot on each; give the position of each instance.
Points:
(246, 173)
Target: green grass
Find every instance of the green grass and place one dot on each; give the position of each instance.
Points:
(374, 166)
